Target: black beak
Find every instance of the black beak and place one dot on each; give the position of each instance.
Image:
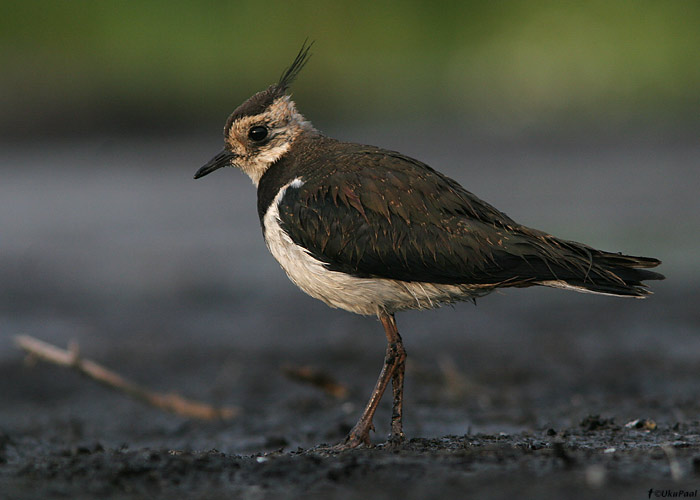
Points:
(223, 159)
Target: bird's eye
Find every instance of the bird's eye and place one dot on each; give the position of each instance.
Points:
(257, 133)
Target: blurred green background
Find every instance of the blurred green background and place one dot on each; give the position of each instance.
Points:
(105, 66)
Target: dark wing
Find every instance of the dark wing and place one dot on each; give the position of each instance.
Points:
(389, 216)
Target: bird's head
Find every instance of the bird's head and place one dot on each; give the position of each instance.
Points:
(263, 128)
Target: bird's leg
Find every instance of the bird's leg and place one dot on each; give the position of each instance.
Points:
(394, 339)
(393, 369)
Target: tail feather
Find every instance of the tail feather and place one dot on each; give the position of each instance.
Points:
(611, 274)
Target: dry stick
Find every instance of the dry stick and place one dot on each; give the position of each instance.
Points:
(168, 402)
(316, 378)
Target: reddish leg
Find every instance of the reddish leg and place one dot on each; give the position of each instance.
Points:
(397, 435)
(393, 369)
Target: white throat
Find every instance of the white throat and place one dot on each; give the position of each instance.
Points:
(255, 170)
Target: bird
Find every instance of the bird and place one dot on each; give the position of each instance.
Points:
(376, 232)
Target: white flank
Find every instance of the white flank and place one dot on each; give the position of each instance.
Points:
(367, 296)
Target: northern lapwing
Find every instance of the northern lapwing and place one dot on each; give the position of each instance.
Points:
(374, 231)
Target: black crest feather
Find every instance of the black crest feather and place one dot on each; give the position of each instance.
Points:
(262, 100)
(292, 71)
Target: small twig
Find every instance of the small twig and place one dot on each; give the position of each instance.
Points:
(317, 378)
(70, 358)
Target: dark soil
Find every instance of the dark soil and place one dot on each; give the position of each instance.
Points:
(569, 464)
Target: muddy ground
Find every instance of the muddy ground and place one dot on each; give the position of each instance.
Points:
(532, 393)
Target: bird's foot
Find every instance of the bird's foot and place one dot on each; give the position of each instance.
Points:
(395, 440)
(358, 437)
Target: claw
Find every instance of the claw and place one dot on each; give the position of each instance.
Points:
(354, 440)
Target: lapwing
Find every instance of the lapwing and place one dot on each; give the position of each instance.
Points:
(375, 232)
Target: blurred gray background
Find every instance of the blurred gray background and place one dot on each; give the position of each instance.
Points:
(578, 119)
